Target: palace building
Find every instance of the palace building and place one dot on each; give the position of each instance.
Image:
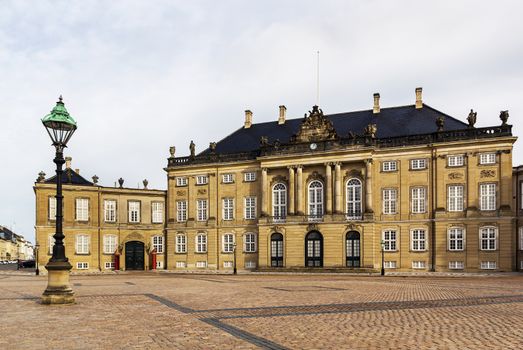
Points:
(410, 185)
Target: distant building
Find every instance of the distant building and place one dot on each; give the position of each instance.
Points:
(13, 246)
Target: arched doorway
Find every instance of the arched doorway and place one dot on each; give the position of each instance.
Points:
(352, 246)
(276, 250)
(134, 255)
(314, 249)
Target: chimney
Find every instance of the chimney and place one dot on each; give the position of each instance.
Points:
(68, 162)
(376, 108)
(77, 171)
(419, 102)
(283, 113)
(248, 119)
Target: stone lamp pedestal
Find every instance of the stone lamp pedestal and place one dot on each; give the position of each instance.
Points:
(58, 290)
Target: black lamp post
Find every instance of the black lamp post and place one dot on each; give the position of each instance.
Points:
(60, 126)
(382, 258)
(234, 271)
(37, 246)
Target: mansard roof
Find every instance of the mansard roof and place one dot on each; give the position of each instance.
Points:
(390, 122)
(70, 177)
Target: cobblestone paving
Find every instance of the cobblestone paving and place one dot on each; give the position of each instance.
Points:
(171, 311)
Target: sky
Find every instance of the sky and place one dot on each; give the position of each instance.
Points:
(141, 76)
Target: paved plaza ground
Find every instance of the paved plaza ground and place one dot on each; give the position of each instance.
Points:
(174, 311)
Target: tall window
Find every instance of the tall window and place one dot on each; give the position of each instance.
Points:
(82, 209)
(158, 244)
(51, 244)
(201, 243)
(279, 201)
(52, 208)
(389, 240)
(249, 242)
(487, 236)
(390, 196)
(353, 198)
(456, 238)
(110, 244)
(455, 197)
(455, 160)
(181, 211)
(418, 200)
(157, 208)
(82, 244)
(110, 210)
(250, 208)
(487, 196)
(228, 208)
(418, 239)
(201, 210)
(521, 238)
(228, 243)
(181, 244)
(316, 199)
(134, 211)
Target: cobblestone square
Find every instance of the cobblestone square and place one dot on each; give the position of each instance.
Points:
(328, 311)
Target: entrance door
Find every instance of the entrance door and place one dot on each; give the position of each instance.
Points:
(134, 255)
(276, 250)
(353, 249)
(314, 249)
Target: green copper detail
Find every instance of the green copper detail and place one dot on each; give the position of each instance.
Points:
(59, 117)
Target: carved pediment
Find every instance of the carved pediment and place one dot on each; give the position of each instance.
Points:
(134, 236)
(315, 176)
(354, 173)
(315, 127)
(277, 179)
(312, 227)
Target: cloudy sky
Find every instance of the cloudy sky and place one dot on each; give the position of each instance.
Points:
(140, 76)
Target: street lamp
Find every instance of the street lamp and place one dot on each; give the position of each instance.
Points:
(37, 246)
(234, 258)
(383, 258)
(60, 126)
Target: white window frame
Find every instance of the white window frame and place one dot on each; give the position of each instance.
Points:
(228, 240)
(316, 205)
(181, 243)
(418, 164)
(181, 211)
(227, 178)
(488, 238)
(157, 243)
(228, 209)
(82, 266)
(456, 265)
(418, 199)
(201, 264)
(157, 212)
(487, 196)
(228, 264)
(110, 243)
(109, 265)
(159, 264)
(521, 238)
(202, 210)
(110, 210)
(51, 242)
(250, 208)
(52, 208)
(249, 264)
(389, 264)
(202, 179)
(455, 160)
(389, 165)
(201, 243)
(82, 209)
(455, 197)
(390, 240)
(487, 158)
(390, 200)
(82, 244)
(353, 199)
(454, 240)
(418, 239)
(181, 181)
(249, 176)
(181, 264)
(249, 242)
(419, 264)
(488, 265)
(279, 202)
(134, 211)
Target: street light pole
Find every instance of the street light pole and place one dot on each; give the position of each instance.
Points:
(60, 126)
(382, 258)
(234, 259)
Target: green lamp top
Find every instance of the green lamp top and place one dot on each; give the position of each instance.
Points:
(59, 117)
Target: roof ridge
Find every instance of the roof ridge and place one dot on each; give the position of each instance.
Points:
(445, 114)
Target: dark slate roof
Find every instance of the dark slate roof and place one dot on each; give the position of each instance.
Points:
(7, 234)
(391, 122)
(70, 177)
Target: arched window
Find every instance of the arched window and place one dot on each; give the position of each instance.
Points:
(279, 201)
(353, 199)
(314, 249)
(315, 200)
(276, 250)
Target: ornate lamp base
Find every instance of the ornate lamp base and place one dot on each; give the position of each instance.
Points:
(58, 290)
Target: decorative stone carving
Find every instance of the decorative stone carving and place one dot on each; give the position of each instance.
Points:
(371, 130)
(472, 118)
(278, 229)
(312, 227)
(315, 176)
(315, 127)
(134, 236)
(69, 175)
(202, 191)
(503, 115)
(277, 179)
(180, 193)
(172, 150)
(41, 177)
(120, 182)
(192, 148)
(145, 183)
(95, 179)
(440, 122)
(264, 141)
(455, 176)
(487, 173)
(212, 147)
(354, 173)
